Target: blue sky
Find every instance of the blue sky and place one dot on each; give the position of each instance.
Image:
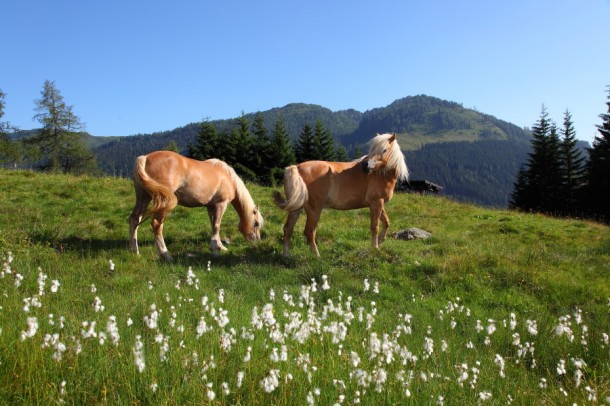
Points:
(131, 67)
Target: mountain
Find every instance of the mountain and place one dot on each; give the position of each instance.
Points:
(475, 156)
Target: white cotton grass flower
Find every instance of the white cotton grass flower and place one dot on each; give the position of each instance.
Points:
(93, 289)
(97, 305)
(271, 381)
(325, 284)
(483, 396)
(367, 285)
(154, 386)
(532, 327)
(112, 329)
(55, 286)
(18, 278)
(240, 378)
(138, 354)
(499, 361)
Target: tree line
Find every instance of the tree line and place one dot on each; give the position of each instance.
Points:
(556, 179)
(259, 155)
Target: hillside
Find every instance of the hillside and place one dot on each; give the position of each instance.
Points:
(419, 121)
(491, 307)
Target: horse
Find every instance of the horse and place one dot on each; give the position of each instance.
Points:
(168, 179)
(365, 182)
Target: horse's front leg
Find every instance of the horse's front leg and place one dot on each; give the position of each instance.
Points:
(385, 224)
(376, 211)
(216, 212)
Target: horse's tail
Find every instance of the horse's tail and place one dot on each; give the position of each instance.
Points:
(295, 189)
(163, 198)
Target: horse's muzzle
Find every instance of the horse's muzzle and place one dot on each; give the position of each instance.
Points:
(364, 165)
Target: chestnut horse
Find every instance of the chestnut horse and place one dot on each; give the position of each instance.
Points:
(365, 182)
(168, 179)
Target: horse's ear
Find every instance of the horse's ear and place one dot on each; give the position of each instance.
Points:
(392, 137)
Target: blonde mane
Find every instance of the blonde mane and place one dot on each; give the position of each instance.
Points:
(241, 191)
(395, 160)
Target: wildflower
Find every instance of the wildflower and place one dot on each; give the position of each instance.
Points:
(579, 364)
(210, 394)
(93, 288)
(18, 279)
(152, 319)
(129, 321)
(499, 361)
(532, 327)
(483, 396)
(354, 359)
(367, 285)
(491, 327)
(428, 346)
(153, 387)
(376, 287)
(561, 367)
(42, 280)
(453, 323)
(379, 377)
(444, 345)
(270, 382)
(54, 286)
(325, 285)
(221, 295)
(240, 378)
(88, 329)
(513, 321)
(97, 305)
(113, 330)
(225, 388)
(138, 354)
(543, 383)
(102, 338)
(248, 354)
(478, 327)
(591, 396)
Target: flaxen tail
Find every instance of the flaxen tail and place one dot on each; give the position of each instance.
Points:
(163, 198)
(295, 189)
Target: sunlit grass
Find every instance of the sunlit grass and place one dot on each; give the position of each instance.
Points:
(493, 308)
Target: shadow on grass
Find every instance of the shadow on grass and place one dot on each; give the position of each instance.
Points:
(256, 255)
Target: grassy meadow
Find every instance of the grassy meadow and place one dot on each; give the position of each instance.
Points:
(496, 307)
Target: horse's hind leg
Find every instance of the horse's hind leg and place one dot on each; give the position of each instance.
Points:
(313, 216)
(293, 216)
(142, 201)
(157, 225)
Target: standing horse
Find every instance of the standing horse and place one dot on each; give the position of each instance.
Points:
(366, 182)
(168, 179)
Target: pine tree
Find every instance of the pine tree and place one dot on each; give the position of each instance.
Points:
(243, 158)
(263, 152)
(305, 149)
(341, 153)
(9, 149)
(207, 144)
(59, 142)
(598, 169)
(571, 167)
(324, 143)
(282, 146)
(538, 184)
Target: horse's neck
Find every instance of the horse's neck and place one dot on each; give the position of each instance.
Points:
(240, 206)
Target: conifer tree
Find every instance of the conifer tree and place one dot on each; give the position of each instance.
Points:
(341, 153)
(571, 167)
(538, 184)
(60, 143)
(324, 143)
(282, 152)
(262, 147)
(9, 149)
(598, 169)
(243, 157)
(207, 143)
(305, 149)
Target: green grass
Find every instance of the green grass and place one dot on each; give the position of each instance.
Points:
(480, 264)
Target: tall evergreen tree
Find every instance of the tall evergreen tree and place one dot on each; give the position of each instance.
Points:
(244, 157)
(263, 150)
(60, 143)
(207, 145)
(341, 153)
(9, 149)
(598, 169)
(305, 149)
(282, 152)
(538, 184)
(571, 167)
(324, 143)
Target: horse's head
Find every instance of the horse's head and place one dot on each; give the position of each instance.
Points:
(380, 152)
(251, 227)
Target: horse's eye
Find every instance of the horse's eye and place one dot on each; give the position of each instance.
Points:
(385, 150)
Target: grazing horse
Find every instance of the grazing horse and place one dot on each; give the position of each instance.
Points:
(168, 179)
(365, 182)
